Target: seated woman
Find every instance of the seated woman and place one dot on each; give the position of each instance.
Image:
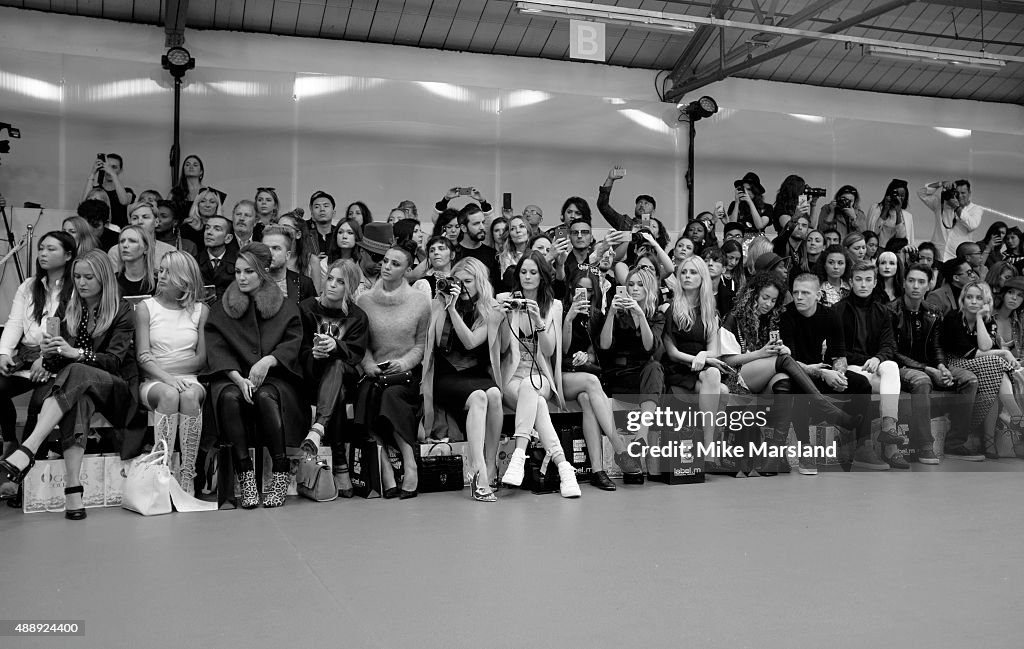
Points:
(765, 363)
(684, 248)
(253, 337)
(138, 271)
(440, 256)
(94, 361)
(461, 366)
(645, 244)
(334, 337)
(581, 380)
(970, 339)
(814, 245)
(44, 295)
(515, 245)
(499, 232)
(171, 351)
(208, 202)
(531, 366)
(856, 247)
(82, 232)
(998, 274)
(411, 230)
(733, 277)
(833, 272)
(447, 225)
(389, 399)
(630, 342)
(344, 244)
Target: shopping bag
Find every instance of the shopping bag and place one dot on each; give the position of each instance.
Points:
(674, 458)
(147, 489)
(43, 488)
(365, 461)
(569, 427)
(540, 473)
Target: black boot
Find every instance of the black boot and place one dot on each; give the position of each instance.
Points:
(785, 363)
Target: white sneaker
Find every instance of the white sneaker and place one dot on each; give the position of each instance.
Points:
(568, 486)
(516, 468)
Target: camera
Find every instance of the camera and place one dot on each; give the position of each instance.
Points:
(518, 302)
(814, 192)
(843, 203)
(948, 195)
(638, 239)
(738, 185)
(102, 157)
(445, 284)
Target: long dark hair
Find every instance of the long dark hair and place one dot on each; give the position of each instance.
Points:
(179, 193)
(834, 249)
(333, 250)
(788, 195)
(1020, 241)
(545, 293)
(992, 230)
(67, 242)
(748, 323)
(367, 217)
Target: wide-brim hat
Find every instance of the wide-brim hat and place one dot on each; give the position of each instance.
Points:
(752, 179)
(767, 261)
(377, 238)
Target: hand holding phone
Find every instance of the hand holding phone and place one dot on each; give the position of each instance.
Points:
(617, 172)
(52, 326)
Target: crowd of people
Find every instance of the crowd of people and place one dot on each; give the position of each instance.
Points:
(251, 323)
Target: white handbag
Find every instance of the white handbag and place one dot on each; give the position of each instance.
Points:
(147, 489)
(150, 489)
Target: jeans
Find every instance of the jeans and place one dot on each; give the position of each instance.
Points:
(920, 387)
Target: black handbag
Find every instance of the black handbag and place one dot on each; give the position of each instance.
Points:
(540, 474)
(399, 378)
(440, 473)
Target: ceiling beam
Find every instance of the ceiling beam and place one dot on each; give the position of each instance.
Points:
(698, 41)
(700, 80)
(175, 14)
(1001, 6)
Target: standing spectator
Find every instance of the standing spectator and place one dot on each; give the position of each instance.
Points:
(499, 232)
(749, 209)
(474, 231)
(644, 204)
(792, 200)
(452, 194)
(171, 350)
(992, 244)
(889, 217)
(957, 217)
(923, 365)
(843, 213)
(190, 181)
(253, 339)
(106, 175)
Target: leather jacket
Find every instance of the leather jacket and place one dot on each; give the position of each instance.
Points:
(902, 327)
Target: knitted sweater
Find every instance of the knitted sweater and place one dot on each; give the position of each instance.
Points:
(398, 325)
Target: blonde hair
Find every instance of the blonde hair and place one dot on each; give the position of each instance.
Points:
(138, 204)
(85, 238)
(649, 303)
(350, 275)
(150, 264)
(759, 246)
(183, 274)
(485, 303)
(986, 295)
(683, 311)
(103, 270)
(193, 212)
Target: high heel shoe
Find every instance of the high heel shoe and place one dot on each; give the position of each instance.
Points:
(74, 514)
(13, 473)
(481, 494)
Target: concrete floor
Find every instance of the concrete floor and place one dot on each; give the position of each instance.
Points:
(930, 559)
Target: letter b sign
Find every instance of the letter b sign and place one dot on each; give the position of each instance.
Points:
(586, 40)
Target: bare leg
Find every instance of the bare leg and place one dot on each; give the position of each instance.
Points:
(492, 433)
(49, 416)
(73, 462)
(710, 390)
(475, 431)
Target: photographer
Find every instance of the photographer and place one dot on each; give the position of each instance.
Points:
(645, 204)
(455, 192)
(957, 217)
(106, 175)
(440, 255)
(843, 214)
(461, 366)
(992, 245)
(889, 217)
(749, 208)
(574, 208)
(794, 198)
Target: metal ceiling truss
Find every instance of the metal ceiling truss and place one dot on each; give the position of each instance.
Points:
(175, 14)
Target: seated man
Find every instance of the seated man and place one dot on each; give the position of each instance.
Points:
(923, 367)
(956, 273)
(870, 346)
(814, 335)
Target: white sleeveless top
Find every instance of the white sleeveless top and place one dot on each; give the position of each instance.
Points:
(173, 335)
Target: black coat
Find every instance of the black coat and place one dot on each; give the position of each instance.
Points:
(223, 275)
(300, 287)
(240, 331)
(904, 334)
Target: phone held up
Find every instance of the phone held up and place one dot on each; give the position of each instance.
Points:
(52, 326)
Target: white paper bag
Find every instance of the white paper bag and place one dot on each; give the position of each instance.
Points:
(147, 489)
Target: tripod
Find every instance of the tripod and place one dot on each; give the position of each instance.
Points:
(13, 249)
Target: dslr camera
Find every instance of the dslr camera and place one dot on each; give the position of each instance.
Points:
(445, 284)
(843, 203)
(814, 192)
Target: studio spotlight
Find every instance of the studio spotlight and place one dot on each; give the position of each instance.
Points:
(178, 61)
(701, 108)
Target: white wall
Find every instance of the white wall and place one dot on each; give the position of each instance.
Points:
(384, 123)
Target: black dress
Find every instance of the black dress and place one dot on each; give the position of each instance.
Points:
(690, 341)
(459, 372)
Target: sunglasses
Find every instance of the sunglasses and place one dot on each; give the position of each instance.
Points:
(580, 233)
(375, 257)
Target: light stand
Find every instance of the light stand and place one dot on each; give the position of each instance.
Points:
(695, 111)
(177, 61)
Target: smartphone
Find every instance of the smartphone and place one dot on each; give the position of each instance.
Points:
(506, 201)
(719, 208)
(619, 172)
(383, 366)
(645, 221)
(52, 326)
(102, 157)
(135, 299)
(465, 191)
(773, 337)
(581, 294)
(621, 291)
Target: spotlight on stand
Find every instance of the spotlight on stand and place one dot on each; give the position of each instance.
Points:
(177, 61)
(703, 107)
(5, 145)
(694, 111)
